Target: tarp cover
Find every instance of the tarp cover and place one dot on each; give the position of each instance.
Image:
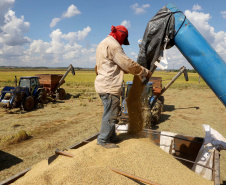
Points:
(160, 26)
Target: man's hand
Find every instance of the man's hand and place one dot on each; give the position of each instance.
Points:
(146, 78)
(149, 74)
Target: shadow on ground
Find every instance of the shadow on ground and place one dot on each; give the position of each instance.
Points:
(69, 96)
(189, 108)
(169, 108)
(172, 108)
(8, 160)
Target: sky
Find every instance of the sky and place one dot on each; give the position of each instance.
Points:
(56, 33)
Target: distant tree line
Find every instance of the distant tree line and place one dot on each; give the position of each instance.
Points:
(17, 67)
(177, 70)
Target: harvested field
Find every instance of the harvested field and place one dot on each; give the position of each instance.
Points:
(61, 124)
(92, 165)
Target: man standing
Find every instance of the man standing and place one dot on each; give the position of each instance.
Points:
(111, 64)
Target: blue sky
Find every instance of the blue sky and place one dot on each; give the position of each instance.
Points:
(55, 33)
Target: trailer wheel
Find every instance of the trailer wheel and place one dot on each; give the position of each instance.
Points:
(156, 112)
(61, 94)
(161, 98)
(28, 103)
(42, 96)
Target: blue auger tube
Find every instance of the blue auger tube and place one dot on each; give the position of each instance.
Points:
(203, 58)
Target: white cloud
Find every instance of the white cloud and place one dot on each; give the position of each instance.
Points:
(73, 37)
(134, 55)
(201, 22)
(5, 2)
(196, 7)
(176, 60)
(126, 24)
(223, 13)
(63, 49)
(71, 11)
(12, 51)
(220, 44)
(139, 9)
(54, 22)
(5, 6)
(14, 29)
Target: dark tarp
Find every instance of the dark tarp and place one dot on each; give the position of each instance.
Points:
(160, 26)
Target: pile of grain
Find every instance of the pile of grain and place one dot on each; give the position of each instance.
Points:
(92, 165)
(134, 104)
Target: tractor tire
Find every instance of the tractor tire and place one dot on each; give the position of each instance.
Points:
(156, 112)
(28, 103)
(17, 97)
(161, 98)
(17, 94)
(42, 96)
(61, 94)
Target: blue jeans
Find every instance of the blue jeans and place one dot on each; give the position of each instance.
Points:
(110, 118)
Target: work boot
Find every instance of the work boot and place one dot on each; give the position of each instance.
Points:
(109, 145)
(116, 140)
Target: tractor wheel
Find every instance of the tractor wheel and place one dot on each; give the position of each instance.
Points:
(42, 96)
(17, 97)
(17, 94)
(156, 112)
(161, 98)
(28, 103)
(61, 94)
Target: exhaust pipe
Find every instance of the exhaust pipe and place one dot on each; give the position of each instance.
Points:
(15, 81)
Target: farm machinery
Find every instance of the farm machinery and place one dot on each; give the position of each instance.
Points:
(33, 90)
(28, 93)
(152, 99)
(52, 83)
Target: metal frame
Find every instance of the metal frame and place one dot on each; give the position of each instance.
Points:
(194, 143)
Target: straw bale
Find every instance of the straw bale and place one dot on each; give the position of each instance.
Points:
(92, 165)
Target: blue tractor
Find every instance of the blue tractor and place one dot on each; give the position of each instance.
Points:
(152, 99)
(152, 108)
(26, 95)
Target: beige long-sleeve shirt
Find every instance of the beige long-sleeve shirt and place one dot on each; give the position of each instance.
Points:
(111, 63)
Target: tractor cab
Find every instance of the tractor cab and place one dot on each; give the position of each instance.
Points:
(29, 81)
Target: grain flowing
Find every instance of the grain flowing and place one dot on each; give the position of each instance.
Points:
(134, 104)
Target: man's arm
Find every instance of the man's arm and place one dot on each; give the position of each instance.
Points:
(128, 65)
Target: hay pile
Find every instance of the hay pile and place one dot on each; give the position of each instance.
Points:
(15, 138)
(135, 107)
(92, 165)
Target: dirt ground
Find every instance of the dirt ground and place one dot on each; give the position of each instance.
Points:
(61, 124)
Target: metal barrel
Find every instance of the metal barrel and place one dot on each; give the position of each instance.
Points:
(204, 59)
